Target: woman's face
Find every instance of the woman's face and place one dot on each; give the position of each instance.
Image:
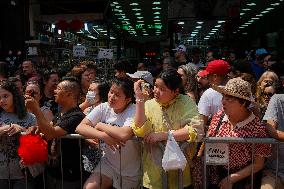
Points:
(87, 78)
(266, 80)
(6, 100)
(183, 76)
(52, 82)
(94, 87)
(34, 91)
(268, 92)
(162, 93)
(231, 105)
(117, 99)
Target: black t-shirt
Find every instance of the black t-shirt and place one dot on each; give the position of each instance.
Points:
(49, 102)
(69, 147)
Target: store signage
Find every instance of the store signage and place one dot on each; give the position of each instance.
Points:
(217, 153)
(150, 53)
(141, 26)
(105, 53)
(79, 51)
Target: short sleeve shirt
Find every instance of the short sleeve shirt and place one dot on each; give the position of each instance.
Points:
(69, 147)
(275, 112)
(240, 153)
(210, 103)
(10, 144)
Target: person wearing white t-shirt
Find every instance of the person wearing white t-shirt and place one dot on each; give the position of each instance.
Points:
(210, 101)
(111, 123)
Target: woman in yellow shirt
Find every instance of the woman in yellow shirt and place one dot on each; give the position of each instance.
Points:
(168, 110)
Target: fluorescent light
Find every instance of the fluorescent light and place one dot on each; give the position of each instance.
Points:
(157, 16)
(138, 13)
(242, 13)
(275, 4)
(246, 9)
(92, 37)
(86, 26)
(140, 17)
(140, 20)
(269, 8)
(80, 31)
(115, 3)
(217, 26)
(251, 4)
(156, 8)
(180, 23)
(136, 9)
(59, 32)
(100, 29)
(221, 21)
(263, 12)
(157, 13)
(156, 3)
(255, 18)
(241, 27)
(112, 37)
(199, 22)
(157, 20)
(194, 32)
(145, 34)
(259, 15)
(52, 26)
(214, 29)
(133, 4)
(198, 27)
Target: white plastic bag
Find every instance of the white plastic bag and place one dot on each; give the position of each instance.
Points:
(173, 158)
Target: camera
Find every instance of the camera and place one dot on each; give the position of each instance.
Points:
(145, 87)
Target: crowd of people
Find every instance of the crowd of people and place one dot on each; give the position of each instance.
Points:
(188, 98)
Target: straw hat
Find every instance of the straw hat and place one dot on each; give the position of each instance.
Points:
(236, 87)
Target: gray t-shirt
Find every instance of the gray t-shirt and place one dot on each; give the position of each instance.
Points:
(9, 159)
(275, 112)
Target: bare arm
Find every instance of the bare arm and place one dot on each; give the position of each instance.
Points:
(245, 172)
(44, 125)
(120, 133)
(140, 117)
(86, 129)
(179, 135)
(271, 128)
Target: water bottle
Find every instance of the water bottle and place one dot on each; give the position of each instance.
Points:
(90, 97)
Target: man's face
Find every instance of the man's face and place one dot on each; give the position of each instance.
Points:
(27, 67)
(209, 57)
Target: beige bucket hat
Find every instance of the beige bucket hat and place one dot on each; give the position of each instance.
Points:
(236, 87)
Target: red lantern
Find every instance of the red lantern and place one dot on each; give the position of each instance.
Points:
(62, 25)
(32, 149)
(76, 25)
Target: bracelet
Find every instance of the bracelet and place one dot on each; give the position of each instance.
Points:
(139, 100)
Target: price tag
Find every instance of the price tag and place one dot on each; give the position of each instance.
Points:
(217, 153)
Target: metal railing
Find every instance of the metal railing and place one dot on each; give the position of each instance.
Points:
(227, 140)
(164, 175)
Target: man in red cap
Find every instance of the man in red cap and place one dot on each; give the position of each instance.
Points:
(210, 101)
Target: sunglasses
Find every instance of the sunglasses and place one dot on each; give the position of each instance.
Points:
(268, 94)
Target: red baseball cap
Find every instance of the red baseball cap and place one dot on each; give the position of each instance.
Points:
(218, 67)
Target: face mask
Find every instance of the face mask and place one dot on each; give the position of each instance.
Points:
(90, 97)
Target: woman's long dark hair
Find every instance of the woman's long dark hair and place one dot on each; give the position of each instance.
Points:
(18, 99)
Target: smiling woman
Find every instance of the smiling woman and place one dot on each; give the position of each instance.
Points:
(237, 97)
(169, 107)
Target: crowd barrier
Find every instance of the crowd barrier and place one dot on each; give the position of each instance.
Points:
(208, 140)
(226, 140)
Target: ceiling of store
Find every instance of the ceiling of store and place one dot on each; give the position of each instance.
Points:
(196, 21)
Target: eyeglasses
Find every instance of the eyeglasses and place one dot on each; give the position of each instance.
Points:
(268, 94)
(32, 82)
